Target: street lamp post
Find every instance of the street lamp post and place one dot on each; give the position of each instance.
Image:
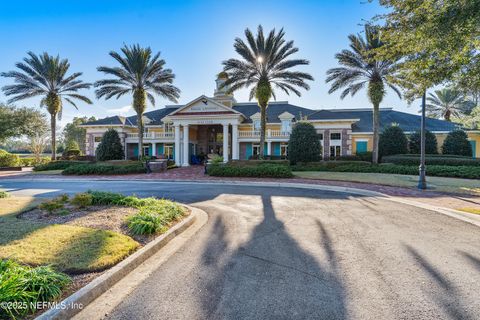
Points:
(422, 182)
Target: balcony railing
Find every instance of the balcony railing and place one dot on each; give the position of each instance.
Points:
(152, 135)
(268, 134)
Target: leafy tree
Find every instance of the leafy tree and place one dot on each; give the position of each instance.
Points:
(265, 66)
(73, 131)
(16, 122)
(304, 144)
(141, 75)
(360, 68)
(393, 141)
(46, 76)
(446, 103)
(435, 40)
(472, 120)
(431, 146)
(110, 148)
(457, 143)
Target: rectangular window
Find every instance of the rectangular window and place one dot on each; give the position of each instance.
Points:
(286, 126)
(168, 151)
(320, 136)
(335, 136)
(284, 149)
(98, 139)
(146, 150)
(257, 125)
(335, 151)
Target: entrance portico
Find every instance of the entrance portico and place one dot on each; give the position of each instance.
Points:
(205, 126)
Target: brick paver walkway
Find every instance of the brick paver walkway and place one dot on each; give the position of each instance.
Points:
(448, 200)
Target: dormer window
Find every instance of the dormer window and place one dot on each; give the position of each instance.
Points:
(257, 125)
(168, 127)
(287, 126)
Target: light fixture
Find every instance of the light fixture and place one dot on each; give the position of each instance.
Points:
(259, 59)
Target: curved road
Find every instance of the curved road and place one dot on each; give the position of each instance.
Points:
(284, 253)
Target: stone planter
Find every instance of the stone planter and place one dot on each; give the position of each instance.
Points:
(158, 165)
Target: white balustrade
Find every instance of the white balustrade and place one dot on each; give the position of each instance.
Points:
(152, 135)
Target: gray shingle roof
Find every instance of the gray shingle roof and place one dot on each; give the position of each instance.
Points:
(407, 121)
(273, 111)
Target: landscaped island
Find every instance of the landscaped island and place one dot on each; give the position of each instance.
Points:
(49, 249)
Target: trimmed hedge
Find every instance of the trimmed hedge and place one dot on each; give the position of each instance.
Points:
(414, 160)
(31, 161)
(457, 143)
(320, 166)
(106, 169)
(363, 156)
(261, 171)
(392, 141)
(8, 159)
(257, 162)
(57, 165)
(468, 172)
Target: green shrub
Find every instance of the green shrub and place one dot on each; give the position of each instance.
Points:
(4, 194)
(216, 159)
(431, 146)
(32, 161)
(55, 204)
(145, 223)
(243, 163)
(8, 160)
(414, 160)
(110, 148)
(363, 156)
(82, 200)
(23, 284)
(72, 150)
(321, 165)
(392, 141)
(105, 169)
(154, 215)
(57, 165)
(263, 170)
(304, 144)
(468, 172)
(457, 143)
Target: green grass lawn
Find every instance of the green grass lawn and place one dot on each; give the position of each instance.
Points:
(455, 185)
(67, 248)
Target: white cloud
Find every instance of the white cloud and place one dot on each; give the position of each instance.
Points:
(123, 111)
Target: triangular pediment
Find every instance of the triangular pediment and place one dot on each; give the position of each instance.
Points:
(286, 116)
(202, 106)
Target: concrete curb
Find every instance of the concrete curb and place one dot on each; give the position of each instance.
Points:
(463, 216)
(69, 307)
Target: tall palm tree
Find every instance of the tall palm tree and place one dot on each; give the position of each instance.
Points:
(446, 103)
(265, 67)
(46, 76)
(141, 74)
(360, 68)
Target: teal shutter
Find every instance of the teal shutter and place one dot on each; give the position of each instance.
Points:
(248, 151)
(135, 150)
(160, 149)
(173, 150)
(474, 148)
(276, 149)
(361, 146)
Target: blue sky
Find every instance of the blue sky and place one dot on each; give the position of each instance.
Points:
(194, 37)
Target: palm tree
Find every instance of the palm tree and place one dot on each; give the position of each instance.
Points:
(446, 103)
(140, 74)
(359, 68)
(45, 76)
(264, 67)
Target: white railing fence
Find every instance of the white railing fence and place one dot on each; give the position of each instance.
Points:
(152, 135)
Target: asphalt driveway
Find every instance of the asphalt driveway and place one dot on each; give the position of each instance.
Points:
(284, 253)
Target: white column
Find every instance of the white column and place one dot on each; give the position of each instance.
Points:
(235, 155)
(154, 149)
(124, 146)
(225, 143)
(185, 146)
(177, 145)
(269, 148)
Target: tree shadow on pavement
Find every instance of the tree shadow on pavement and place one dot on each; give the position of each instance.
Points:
(270, 276)
(447, 296)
